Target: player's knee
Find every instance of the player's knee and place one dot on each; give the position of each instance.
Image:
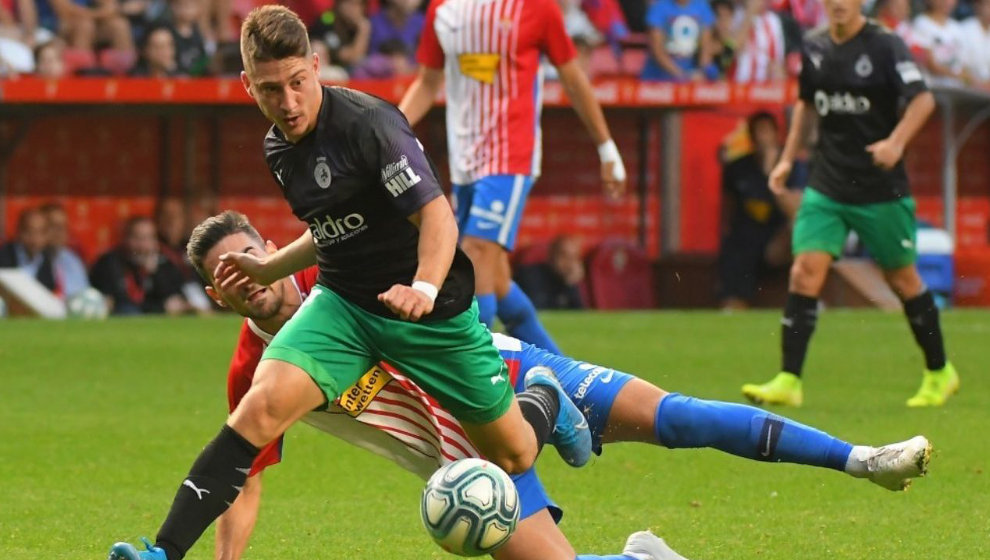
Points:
(906, 283)
(807, 276)
(513, 461)
(259, 418)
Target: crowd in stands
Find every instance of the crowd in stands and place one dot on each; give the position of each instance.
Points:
(669, 40)
(147, 272)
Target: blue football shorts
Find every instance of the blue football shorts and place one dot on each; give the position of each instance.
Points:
(533, 497)
(492, 207)
(592, 388)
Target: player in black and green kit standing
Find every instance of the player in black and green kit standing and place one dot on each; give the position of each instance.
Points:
(856, 75)
(393, 286)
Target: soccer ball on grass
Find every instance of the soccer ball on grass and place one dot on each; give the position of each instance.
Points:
(470, 507)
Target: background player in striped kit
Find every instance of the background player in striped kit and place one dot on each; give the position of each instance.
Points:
(388, 414)
(488, 56)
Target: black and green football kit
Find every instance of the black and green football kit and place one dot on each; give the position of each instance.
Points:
(858, 89)
(355, 180)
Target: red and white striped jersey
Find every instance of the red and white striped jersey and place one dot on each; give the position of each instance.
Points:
(385, 412)
(764, 50)
(490, 52)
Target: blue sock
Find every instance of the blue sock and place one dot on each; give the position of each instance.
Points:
(486, 309)
(609, 557)
(519, 317)
(745, 431)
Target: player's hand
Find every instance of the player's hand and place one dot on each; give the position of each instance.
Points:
(778, 177)
(886, 153)
(236, 270)
(407, 303)
(613, 185)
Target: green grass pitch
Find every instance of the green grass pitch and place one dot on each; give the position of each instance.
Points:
(99, 422)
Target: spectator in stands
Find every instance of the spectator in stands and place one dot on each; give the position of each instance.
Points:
(157, 58)
(170, 222)
(724, 37)
(27, 250)
(19, 34)
(86, 24)
(976, 41)
(346, 35)
(48, 60)
(757, 221)
(761, 44)
(896, 16)
(583, 33)
(807, 14)
(136, 277)
(191, 54)
(391, 61)
(397, 20)
(679, 41)
(69, 270)
(942, 40)
(142, 14)
(556, 283)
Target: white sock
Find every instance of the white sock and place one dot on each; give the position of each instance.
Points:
(856, 463)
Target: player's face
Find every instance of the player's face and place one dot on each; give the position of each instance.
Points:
(288, 93)
(253, 301)
(843, 12)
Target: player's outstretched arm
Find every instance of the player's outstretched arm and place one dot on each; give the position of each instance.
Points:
(235, 526)
(579, 91)
(889, 151)
(237, 269)
(421, 94)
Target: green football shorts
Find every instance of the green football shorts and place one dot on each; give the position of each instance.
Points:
(887, 229)
(454, 360)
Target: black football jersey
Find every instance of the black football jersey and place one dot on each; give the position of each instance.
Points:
(355, 180)
(858, 88)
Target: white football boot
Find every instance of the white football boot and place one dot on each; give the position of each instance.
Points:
(891, 466)
(644, 545)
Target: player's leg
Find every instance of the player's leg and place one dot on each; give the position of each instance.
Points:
(819, 233)
(489, 226)
(303, 367)
(888, 232)
(642, 412)
(537, 536)
(455, 361)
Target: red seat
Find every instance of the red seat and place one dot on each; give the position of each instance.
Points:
(620, 276)
(78, 59)
(117, 62)
(531, 254)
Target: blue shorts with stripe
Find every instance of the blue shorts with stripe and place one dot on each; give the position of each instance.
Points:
(491, 207)
(592, 388)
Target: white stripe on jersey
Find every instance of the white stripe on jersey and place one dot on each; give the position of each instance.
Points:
(510, 211)
(506, 343)
(403, 424)
(479, 137)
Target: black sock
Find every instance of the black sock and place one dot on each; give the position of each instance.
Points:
(797, 326)
(539, 406)
(922, 315)
(214, 482)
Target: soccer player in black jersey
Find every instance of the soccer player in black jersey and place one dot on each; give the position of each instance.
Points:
(392, 286)
(856, 76)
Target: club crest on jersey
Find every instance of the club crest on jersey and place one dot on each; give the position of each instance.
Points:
(398, 176)
(864, 67)
(322, 173)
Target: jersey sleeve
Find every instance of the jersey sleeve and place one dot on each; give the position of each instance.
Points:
(430, 53)
(554, 41)
(903, 71)
(406, 174)
(706, 15)
(239, 378)
(656, 15)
